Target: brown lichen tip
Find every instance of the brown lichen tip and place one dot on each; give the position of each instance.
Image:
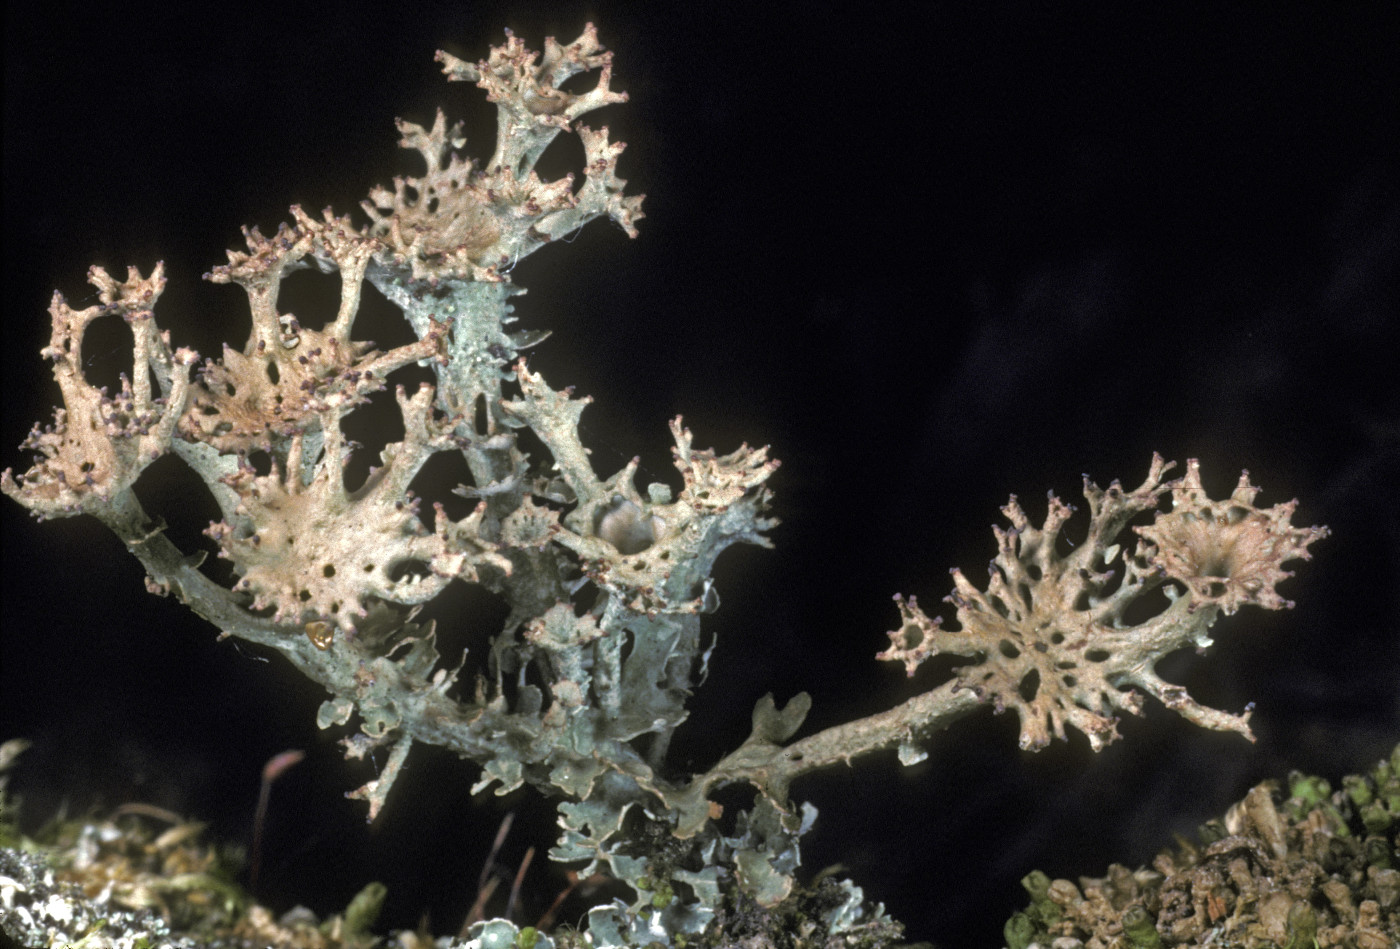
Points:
(98, 444)
(457, 222)
(1228, 553)
(1049, 637)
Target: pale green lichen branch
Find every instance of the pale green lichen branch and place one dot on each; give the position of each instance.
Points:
(1048, 638)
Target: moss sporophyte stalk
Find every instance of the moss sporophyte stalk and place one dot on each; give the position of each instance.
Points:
(608, 583)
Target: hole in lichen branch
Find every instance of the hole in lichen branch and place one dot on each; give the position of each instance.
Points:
(1064, 544)
(586, 597)
(107, 351)
(480, 417)
(940, 668)
(1029, 685)
(910, 636)
(1008, 649)
(328, 570)
(370, 427)
(171, 490)
(1145, 607)
(565, 154)
(404, 569)
(1097, 655)
(261, 462)
(628, 640)
(309, 292)
(436, 483)
(734, 799)
(465, 617)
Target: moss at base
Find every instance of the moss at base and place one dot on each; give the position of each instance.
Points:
(1294, 868)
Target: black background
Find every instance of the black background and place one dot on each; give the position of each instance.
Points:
(931, 257)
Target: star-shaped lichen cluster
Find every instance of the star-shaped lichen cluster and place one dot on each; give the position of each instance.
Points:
(1052, 636)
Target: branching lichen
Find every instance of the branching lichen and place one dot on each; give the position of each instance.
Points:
(1050, 633)
(606, 584)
